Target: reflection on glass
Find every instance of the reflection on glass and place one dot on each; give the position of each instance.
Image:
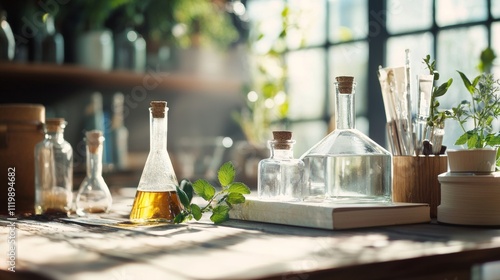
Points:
(352, 60)
(307, 134)
(306, 70)
(348, 20)
(450, 12)
(311, 21)
(458, 49)
(408, 15)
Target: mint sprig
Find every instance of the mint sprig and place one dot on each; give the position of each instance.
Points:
(218, 202)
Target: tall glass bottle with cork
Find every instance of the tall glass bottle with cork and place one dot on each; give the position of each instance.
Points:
(53, 171)
(93, 196)
(346, 165)
(280, 176)
(156, 198)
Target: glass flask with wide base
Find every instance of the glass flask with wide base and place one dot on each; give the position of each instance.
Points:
(156, 198)
(346, 165)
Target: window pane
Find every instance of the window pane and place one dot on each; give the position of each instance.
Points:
(306, 80)
(458, 49)
(348, 20)
(310, 17)
(408, 15)
(307, 134)
(396, 46)
(450, 12)
(495, 44)
(351, 60)
(265, 19)
(495, 8)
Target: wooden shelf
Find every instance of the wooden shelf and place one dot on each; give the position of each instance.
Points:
(18, 77)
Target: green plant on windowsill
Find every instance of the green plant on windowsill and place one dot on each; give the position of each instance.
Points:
(480, 110)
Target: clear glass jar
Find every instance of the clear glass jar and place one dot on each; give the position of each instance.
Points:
(53, 171)
(280, 176)
(156, 198)
(346, 165)
(93, 196)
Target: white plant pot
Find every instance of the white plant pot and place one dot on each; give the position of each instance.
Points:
(481, 161)
(94, 49)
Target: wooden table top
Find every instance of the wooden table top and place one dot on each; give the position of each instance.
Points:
(73, 249)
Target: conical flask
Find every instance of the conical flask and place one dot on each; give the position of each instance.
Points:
(93, 195)
(346, 165)
(156, 198)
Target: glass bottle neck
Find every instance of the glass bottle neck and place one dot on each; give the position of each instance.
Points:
(281, 153)
(345, 118)
(158, 133)
(94, 162)
(57, 136)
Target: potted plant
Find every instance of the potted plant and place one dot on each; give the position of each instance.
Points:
(481, 141)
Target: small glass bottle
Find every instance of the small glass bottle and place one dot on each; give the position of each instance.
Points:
(119, 133)
(93, 196)
(346, 165)
(280, 176)
(52, 43)
(53, 171)
(156, 198)
(7, 41)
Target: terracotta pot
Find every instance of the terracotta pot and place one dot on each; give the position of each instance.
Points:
(480, 161)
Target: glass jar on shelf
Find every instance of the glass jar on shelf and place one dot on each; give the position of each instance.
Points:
(53, 171)
(346, 165)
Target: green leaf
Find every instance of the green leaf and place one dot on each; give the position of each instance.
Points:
(462, 139)
(226, 174)
(204, 189)
(466, 82)
(235, 198)
(183, 197)
(220, 214)
(238, 187)
(442, 89)
(493, 140)
(195, 209)
(187, 187)
(179, 218)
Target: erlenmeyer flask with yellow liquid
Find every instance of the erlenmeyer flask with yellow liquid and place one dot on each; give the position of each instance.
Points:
(156, 198)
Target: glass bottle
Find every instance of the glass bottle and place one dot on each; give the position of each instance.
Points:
(119, 133)
(156, 198)
(93, 195)
(53, 171)
(280, 176)
(346, 165)
(7, 41)
(52, 43)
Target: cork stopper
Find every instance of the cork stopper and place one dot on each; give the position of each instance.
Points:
(94, 140)
(345, 84)
(158, 109)
(282, 139)
(55, 124)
